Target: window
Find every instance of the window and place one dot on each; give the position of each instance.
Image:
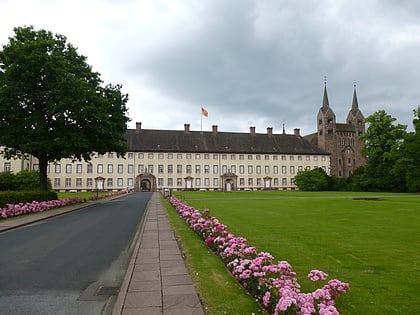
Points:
(188, 169)
(250, 182)
(179, 169)
(179, 182)
(57, 168)
(7, 166)
(90, 168)
(150, 155)
(197, 182)
(249, 156)
(283, 169)
(79, 168)
(78, 182)
(35, 167)
(179, 156)
(206, 169)
(160, 168)
(224, 169)
(233, 168)
(197, 169)
(170, 156)
(224, 157)
(241, 157)
(275, 157)
(120, 168)
(130, 155)
(188, 156)
(150, 168)
(215, 182)
(266, 157)
(110, 168)
(299, 157)
(283, 158)
(141, 155)
(292, 158)
(284, 181)
(267, 169)
(258, 169)
(120, 182)
(241, 169)
(68, 168)
(215, 169)
(160, 156)
(315, 158)
(170, 182)
(275, 169)
(140, 168)
(197, 156)
(215, 156)
(206, 182)
(109, 182)
(258, 181)
(258, 157)
(110, 155)
(56, 182)
(241, 181)
(292, 169)
(206, 156)
(68, 182)
(89, 182)
(276, 182)
(99, 168)
(233, 157)
(100, 156)
(250, 169)
(130, 169)
(170, 169)
(129, 182)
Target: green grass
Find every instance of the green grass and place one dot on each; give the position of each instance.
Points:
(83, 195)
(372, 244)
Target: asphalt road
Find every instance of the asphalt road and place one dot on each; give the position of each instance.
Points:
(71, 264)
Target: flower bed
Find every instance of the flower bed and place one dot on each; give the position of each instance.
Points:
(275, 286)
(13, 210)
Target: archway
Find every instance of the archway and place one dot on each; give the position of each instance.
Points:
(229, 181)
(145, 182)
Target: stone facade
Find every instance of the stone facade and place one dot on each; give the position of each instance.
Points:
(341, 140)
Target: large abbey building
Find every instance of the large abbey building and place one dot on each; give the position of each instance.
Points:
(341, 140)
(213, 160)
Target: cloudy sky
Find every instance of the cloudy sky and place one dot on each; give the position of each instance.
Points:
(248, 62)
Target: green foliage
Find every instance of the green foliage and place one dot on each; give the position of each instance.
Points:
(384, 149)
(412, 155)
(52, 105)
(7, 181)
(312, 180)
(15, 197)
(28, 180)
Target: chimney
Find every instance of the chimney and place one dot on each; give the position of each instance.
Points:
(214, 127)
(297, 132)
(138, 126)
(270, 131)
(252, 130)
(187, 128)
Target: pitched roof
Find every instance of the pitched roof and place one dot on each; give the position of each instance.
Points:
(150, 140)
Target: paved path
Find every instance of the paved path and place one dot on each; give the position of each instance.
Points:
(157, 281)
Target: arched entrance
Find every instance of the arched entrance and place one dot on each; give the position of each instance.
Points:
(229, 182)
(267, 182)
(145, 182)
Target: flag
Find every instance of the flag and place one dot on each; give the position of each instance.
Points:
(204, 112)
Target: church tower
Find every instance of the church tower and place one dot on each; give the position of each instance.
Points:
(341, 140)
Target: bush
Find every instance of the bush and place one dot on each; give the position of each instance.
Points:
(16, 197)
(7, 181)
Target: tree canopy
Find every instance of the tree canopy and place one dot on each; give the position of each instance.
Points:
(312, 180)
(53, 105)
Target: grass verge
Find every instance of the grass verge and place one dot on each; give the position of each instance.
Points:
(370, 240)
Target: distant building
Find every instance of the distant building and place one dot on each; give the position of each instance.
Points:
(341, 140)
(214, 160)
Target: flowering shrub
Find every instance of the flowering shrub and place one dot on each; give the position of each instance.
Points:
(275, 286)
(35, 206)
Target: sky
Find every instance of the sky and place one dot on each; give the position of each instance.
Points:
(260, 63)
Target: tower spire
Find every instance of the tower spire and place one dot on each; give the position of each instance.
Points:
(325, 102)
(355, 103)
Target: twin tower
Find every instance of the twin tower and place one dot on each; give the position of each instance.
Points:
(341, 140)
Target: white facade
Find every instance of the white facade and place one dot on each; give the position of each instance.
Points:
(178, 170)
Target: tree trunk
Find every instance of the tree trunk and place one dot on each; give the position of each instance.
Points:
(43, 163)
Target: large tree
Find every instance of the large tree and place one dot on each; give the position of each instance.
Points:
(412, 155)
(383, 148)
(52, 105)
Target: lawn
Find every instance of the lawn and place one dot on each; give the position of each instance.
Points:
(374, 244)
